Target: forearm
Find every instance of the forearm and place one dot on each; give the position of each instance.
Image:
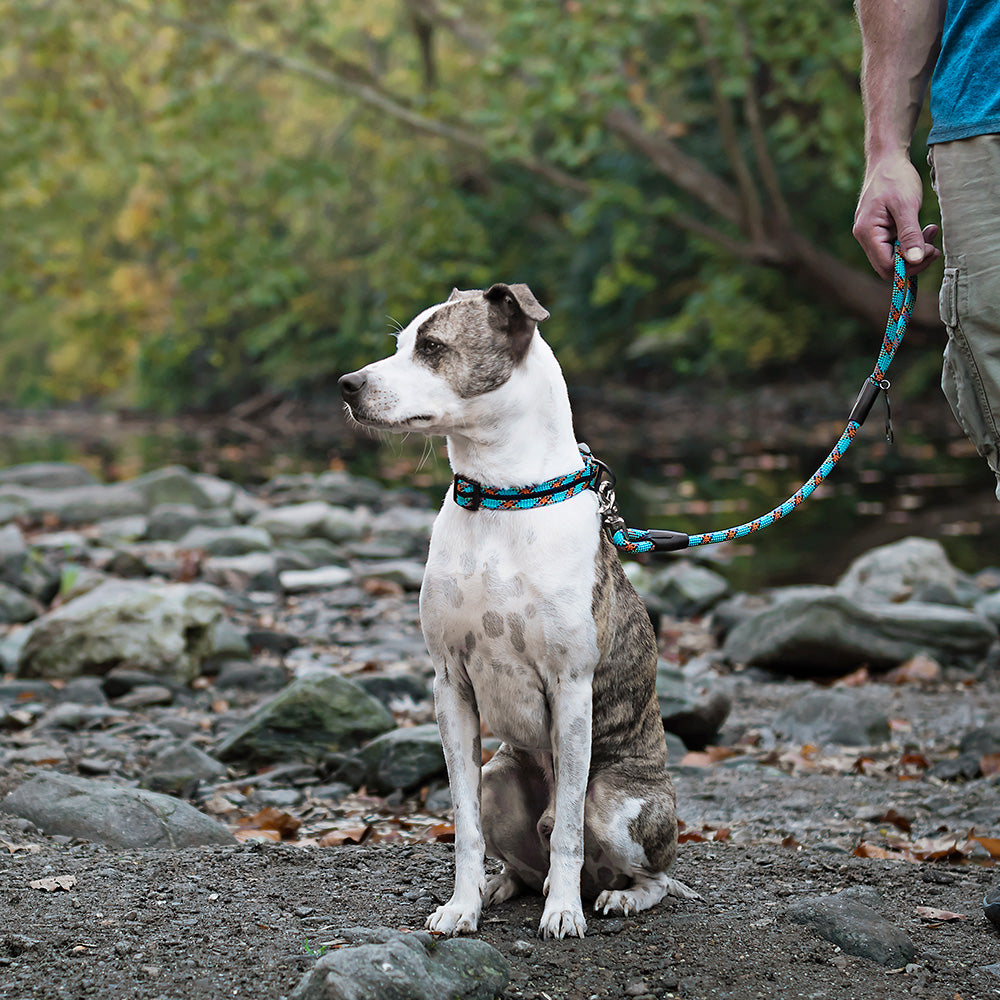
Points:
(901, 39)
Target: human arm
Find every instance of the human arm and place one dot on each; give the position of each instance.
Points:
(900, 39)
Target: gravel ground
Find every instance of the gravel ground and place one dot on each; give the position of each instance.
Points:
(247, 921)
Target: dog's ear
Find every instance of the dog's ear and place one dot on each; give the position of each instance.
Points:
(514, 310)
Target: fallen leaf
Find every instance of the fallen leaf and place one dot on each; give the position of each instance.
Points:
(708, 756)
(14, 848)
(864, 850)
(992, 845)
(858, 678)
(442, 833)
(346, 835)
(931, 913)
(919, 670)
(273, 821)
(244, 835)
(790, 841)
(990, 764)
(898, 820)
(54, 882)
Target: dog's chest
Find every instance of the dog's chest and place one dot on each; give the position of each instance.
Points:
(506, 602)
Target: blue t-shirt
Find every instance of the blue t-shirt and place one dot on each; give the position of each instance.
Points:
(965, 88)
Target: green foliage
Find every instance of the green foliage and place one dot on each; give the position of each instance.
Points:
(203, 200)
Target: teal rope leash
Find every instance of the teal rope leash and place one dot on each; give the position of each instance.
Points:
(635, 540)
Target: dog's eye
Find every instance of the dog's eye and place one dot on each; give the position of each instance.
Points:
(431, 348)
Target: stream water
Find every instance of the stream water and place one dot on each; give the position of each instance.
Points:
(682, 462)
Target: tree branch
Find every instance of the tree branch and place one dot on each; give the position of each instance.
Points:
(753, 213)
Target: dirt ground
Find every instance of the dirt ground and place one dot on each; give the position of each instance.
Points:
(762, 832)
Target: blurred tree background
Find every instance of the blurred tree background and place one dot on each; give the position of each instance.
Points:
(207, 199)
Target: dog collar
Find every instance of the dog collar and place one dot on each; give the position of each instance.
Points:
(471, 495)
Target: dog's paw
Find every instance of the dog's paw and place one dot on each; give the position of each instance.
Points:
(613, 901)
(500, 888)
(562, 921)
(454, 918)
(675, 888)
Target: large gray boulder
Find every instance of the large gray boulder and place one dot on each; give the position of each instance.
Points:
(312, 718)
(899, 572)
(824, 632)
(407, 967)
(63, 805)
(164, 629)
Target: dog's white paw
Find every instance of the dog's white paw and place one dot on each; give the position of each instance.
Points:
(616, 901)
(562, 921)
(454, 918)
(500, 888)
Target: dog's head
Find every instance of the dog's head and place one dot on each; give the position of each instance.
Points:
(449, 357)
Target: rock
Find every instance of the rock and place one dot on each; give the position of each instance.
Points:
(855, 928)
(824, 632)
(686, 589)
(78, 504)
(165, 629)
(179, 767)
(46, 475)
(145, 696)
(404, 758)
(171, 521)
(407, 967)
(174, 484)
(409, 574)
(254, 571)
(345, 490)
(312, 553)
(116, 531)
(301, 581)
(238, 540)
(393, 689)
(64, 544)
(982, 741)
(312, 520)
(964, 767)
(991, 905)
(852, 717)
(62, 805)
(893, 572)
(693, 716)
(16, 607)
(988, 607)
(13, 553)
(311, 718)
(249, 676)
(83, 691)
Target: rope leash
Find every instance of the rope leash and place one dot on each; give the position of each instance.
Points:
(595, 475)
(636, 540)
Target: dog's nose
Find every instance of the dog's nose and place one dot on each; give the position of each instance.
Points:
(352, 384)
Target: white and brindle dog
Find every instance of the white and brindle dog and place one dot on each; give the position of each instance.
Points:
(534, 629)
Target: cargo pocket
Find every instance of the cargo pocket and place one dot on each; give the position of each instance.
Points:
(961, 380)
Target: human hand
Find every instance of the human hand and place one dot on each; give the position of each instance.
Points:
(887, 210)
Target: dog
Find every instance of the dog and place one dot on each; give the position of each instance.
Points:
(533, 627)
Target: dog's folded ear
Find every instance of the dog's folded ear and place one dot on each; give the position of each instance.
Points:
(513, 311)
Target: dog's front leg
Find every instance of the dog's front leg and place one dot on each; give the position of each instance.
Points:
(460, 736)
(571, 706)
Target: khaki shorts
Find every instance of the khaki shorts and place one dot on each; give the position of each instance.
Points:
(966, 177)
